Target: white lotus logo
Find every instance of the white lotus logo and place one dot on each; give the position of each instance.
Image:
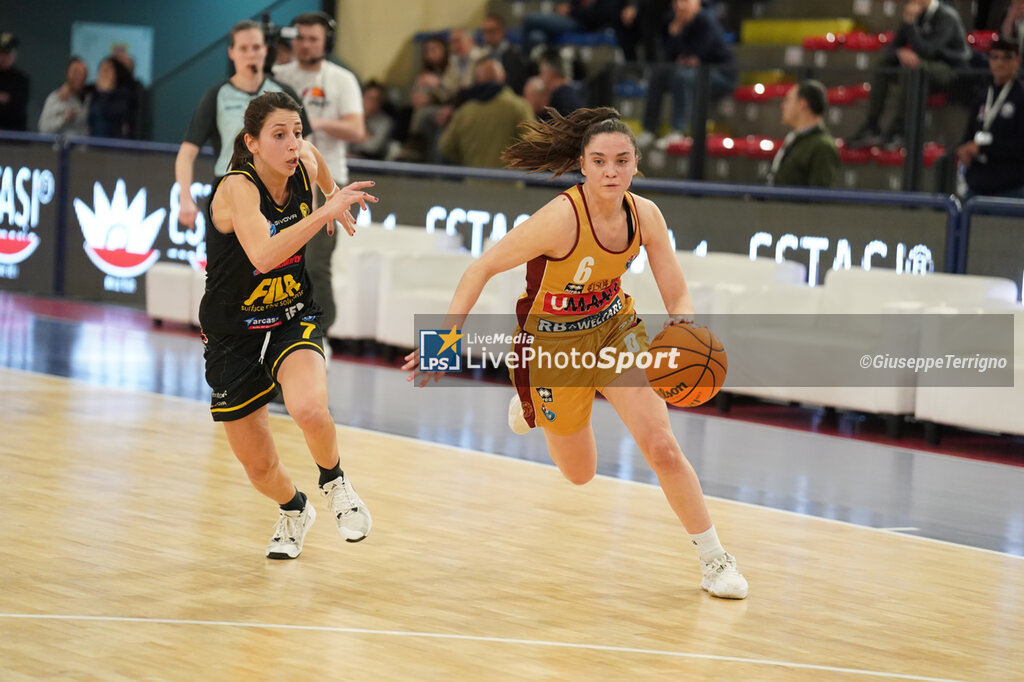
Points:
(119, 237)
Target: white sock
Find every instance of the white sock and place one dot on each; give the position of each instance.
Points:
(707, 544)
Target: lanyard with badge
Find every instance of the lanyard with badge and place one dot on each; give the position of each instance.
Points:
(984, 137)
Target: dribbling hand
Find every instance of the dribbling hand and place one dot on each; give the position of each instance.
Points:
(412, 364)
(680, 321)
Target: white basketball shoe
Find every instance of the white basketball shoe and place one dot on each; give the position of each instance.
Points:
(721, 579)
(516, 420)
(289, 533)
(354, 520)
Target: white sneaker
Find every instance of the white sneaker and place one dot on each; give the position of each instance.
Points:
(721, 579)
(354, 520)
(516, 420)
(290, 532)
(644, 139)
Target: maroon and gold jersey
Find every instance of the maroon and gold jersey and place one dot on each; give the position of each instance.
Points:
(582, 290)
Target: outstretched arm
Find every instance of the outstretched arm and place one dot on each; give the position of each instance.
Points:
(551, 231)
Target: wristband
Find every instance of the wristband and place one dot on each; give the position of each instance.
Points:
(331, 193)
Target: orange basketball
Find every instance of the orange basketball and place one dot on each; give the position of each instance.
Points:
(688, 365)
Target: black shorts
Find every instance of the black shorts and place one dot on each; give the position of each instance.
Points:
(242, 371)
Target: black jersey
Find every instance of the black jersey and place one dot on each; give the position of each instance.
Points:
(239, 298)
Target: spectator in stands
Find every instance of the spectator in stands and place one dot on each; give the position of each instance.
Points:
(497, 46)
(536, 95)
(642, 24)
(380, 124)
(486, 122)
(139, 123)
(930, 37)
(13, 86)
(112, 108)
(808, 157)
(576, 16)
(693, 37)
(993, 144)
(427, 98)
(434, 55)
(463, 55)
(554, 73)
(66, 110)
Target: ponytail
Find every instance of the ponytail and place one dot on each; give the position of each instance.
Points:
(557, 144)
(240, 154)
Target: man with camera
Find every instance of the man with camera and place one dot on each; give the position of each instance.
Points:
(333, 100)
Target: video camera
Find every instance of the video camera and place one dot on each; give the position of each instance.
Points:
(272, 36)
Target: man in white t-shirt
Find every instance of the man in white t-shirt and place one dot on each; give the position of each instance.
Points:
(333, 102)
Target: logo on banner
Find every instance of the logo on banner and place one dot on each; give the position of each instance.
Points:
(119, 235)
(22, 192)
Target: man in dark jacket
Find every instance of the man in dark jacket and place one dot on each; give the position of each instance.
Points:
(931, 38)
(13, 87)
(808, 157)
(993, 144)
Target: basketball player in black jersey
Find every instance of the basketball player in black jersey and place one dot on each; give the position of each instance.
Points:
(261, 327)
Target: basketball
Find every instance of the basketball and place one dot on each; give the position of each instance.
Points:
(696, 373)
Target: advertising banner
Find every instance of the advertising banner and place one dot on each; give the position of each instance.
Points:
(123, 218)
(29, 198)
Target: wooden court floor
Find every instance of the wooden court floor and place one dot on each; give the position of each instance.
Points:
(133, 550)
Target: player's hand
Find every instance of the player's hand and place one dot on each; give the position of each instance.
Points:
(343, 199)
(908, 57)
(680, 321)
(187, 211)
(412, 365)
(966, 152)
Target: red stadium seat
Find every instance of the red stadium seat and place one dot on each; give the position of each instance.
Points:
(680, 148)
(759, 147)
(860, 90)
(982, 40)
(751, 93)
(847, 155)
(888, 157)
(932, 152)
(825, 43)
(722, 145)
(858, 41)
(840, 96)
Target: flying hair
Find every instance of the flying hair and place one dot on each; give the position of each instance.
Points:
(557, 144)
